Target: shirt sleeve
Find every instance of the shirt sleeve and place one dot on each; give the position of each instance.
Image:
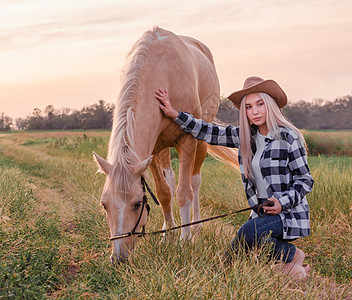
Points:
(211, 133)
(302, 179)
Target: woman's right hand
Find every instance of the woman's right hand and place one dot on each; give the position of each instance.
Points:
(165, 105)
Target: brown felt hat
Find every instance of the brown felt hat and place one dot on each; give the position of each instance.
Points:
(256, 84)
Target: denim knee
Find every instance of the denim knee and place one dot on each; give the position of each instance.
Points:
(246, 233)
(267, 230)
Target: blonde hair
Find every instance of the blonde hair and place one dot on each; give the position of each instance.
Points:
(274, 119)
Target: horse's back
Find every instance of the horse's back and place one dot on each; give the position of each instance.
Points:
(171, 66)
(189, 41)
(208, 82)
(189, 71)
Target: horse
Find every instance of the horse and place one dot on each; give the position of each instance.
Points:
(141, 136)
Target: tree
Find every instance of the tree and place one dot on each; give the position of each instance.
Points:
(35, 122)
(227, 112)
(50, 118)
(97, 116)
(5, 122)
(21, 124)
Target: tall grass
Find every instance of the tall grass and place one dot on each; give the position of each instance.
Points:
(330, 245)
(31, 264)
(54, 236)
(329, 143)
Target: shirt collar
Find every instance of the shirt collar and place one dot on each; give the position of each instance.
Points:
(254, 130)
(269, 137)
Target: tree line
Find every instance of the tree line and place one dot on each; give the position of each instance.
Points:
(317, 114)
(96, 116)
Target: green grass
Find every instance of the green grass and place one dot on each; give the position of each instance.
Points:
(54, 236)
(30, 259)
(79, 146)
(330, 245)
(329, 143)
(32, 142)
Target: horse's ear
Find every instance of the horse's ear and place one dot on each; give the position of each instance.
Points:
(104, 166)
(142, 166)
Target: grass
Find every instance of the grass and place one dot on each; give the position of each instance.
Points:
(54, 236)
(329, 143)
(30, 258)
(331, 216)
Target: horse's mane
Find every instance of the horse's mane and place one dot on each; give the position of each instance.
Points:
(121, 154)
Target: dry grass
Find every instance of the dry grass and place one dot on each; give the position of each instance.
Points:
(55, 238)
(329, 143)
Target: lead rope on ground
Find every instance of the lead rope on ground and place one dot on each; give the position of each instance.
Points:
(143, 233)
(145, 186)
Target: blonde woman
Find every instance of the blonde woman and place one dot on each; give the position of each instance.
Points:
(273, 164)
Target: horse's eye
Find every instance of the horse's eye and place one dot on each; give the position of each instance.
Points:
(137, 205)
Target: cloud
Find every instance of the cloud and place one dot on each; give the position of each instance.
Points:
(303, 44)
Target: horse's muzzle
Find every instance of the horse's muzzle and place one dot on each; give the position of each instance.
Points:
(118, 259)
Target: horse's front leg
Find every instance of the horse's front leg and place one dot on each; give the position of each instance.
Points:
(186, 149)
(164, 179)
(196, 181)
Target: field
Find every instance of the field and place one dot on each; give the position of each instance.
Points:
(329, 143)
(54, 236)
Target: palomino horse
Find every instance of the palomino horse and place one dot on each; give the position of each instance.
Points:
(141, 135)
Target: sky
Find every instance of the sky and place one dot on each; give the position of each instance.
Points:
(70, 53)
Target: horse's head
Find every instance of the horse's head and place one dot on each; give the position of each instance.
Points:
(124, 205)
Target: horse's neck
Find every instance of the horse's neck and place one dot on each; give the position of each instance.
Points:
(147, 126)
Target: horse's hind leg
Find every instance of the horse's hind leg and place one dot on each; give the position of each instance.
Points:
(164, 178)
(196, 181)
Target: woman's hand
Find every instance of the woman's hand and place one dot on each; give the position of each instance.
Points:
(165, 105)
(273, 210)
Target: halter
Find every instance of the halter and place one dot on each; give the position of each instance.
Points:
(145, 203)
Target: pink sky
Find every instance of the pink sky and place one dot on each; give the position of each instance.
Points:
(70, 53)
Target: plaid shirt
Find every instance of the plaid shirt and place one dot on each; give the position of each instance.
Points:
(283, 165)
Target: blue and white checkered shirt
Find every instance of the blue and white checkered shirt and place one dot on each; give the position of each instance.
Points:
(283, 165)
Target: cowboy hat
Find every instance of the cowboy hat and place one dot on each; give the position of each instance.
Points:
(256, 84)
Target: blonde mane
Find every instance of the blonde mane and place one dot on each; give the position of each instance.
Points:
(121, 153)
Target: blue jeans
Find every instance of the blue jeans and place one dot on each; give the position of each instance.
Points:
(265, 230)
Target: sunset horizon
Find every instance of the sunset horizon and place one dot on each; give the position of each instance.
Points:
(71, 54)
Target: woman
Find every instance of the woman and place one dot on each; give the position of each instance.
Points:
(273, 164)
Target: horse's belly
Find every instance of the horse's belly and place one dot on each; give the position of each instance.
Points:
(169, 137)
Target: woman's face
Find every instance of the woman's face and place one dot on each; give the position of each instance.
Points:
(256, 110)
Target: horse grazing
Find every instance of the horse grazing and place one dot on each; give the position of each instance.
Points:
(141, 135)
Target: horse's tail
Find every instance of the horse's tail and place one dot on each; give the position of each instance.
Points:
(225, 154)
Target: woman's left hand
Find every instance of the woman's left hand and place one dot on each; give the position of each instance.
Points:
(273, 210)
